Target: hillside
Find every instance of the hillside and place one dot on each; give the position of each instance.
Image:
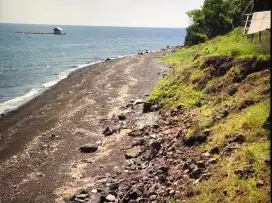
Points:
(221, 90)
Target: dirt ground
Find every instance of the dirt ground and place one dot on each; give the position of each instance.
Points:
(40, 159)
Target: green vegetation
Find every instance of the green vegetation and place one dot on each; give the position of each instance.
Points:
(225, 186)
(223, 84)
(188, 83)
(217, 17)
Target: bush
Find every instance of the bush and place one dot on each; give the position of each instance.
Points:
(193, 38)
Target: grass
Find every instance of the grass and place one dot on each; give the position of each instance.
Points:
(232, 44)
(244, 95)
(238, 189)
(183, 85)
(248, 122)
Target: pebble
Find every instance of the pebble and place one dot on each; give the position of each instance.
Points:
(212, 161)
(110, 198)
(153, 197)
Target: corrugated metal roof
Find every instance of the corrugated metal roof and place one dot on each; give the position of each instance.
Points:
(260, 21)
(57, 28)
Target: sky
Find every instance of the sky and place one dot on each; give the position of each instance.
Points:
(132, 13)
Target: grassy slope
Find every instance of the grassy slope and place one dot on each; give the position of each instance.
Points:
(244, 95)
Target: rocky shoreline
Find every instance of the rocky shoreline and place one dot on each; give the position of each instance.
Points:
(44, 144)
(160, 161)
(94, 138)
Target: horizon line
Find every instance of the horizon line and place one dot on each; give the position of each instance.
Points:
(92, 25)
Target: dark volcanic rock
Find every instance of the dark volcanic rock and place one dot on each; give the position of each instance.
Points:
(147, 107)
(154, 149)
(259, 184)
(114, 186)
(215, 150)
(196, 173)
(195, 139)
(239, 138)
(88, 148)
(122, 117)
(200, 164)
(108, 131)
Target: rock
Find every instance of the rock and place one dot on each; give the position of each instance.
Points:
(212, 161)
(135, 133)
(239, 138)
(155, 107)
(107, 131)
(154, 149)
(215, 150)
(82, 196)
(200, 164)
(88, 148)
(79, 200)
(107, 59)
(114, 186)
(267, 161)
(134, 194)
(196, 173)
(156, 145)
(140, 142)
(224, 114)
(94, 191)
(72, 198)
(206, 176)
(147, 107)
(229, 148)
(195, 139)
(192, 167)
(138, 101)
(185, 166)
(153, 136)
(259, 184)
(140, 53)
(207, 131)
(146, 51)
(110, 198)
(133, 152)
(153, 197)
(206, 154)
(164, 169)
(122, 117)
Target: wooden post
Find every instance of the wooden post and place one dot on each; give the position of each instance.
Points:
(252, 36)
(245, 28)
(260, 36)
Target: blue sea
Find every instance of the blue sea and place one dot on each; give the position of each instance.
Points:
(30, 63)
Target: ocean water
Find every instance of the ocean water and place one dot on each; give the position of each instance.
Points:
(29, 64)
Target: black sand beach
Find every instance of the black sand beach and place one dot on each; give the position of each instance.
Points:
(39, 142)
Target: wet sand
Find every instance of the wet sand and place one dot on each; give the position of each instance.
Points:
(39, 142)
